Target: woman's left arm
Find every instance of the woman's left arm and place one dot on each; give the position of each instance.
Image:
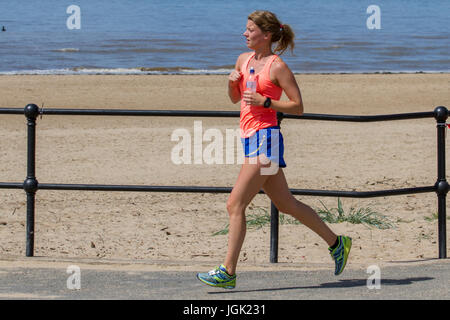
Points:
(286, 80)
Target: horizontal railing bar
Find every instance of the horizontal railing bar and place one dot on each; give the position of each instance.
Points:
(193, 113)
(133, 188)
(356, 118)
(12, 111)
(125, 112)
(11, 185)
(198, 189)
(363, 194)
(160, 113)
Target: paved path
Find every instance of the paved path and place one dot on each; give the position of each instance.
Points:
(430, 280)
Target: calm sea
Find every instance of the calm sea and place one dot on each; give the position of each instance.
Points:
(205, 37)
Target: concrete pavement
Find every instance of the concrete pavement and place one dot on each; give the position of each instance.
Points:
(34, 278)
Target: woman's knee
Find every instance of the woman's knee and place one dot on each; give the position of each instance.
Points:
(235, 206)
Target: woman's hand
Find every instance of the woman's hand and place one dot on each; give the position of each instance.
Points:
(253, 98)
(234, 77)
(234, 91)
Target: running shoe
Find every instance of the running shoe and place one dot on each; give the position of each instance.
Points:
(218, 278)
(340, 253)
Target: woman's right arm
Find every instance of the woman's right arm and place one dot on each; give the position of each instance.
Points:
(234, 91)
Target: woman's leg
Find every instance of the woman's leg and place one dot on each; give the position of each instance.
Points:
(248, 184)
(278, 191)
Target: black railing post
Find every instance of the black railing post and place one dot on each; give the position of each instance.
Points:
(274, 227)
(274, 218)
(30, 185)
(441, 115)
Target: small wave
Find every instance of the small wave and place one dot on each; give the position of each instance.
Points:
(431, 37)
(332, 47)
(120, 71)
(67, 50)
(115, 50)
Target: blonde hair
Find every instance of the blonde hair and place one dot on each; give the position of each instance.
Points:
(281, 33)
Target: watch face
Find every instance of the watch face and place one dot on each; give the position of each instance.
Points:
(267, 103)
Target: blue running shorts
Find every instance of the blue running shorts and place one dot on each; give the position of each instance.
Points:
(267, 141)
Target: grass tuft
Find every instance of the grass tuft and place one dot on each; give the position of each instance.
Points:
(365, 216)
(260, 216)
(434, 217)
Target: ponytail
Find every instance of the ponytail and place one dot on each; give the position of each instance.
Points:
(286, 39)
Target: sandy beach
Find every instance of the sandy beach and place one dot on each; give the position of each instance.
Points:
(179, 226)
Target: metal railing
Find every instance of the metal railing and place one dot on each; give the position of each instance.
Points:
(31, 184)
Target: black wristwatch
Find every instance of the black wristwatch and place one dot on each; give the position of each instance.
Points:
(267, 103)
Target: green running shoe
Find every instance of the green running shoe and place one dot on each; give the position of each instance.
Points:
(340, 253)
(218, 278)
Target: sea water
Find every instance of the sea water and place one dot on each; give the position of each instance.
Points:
(205, 37)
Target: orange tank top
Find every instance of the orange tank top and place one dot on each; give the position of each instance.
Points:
(254, 118)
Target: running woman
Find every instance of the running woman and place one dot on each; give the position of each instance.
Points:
(263, 143)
